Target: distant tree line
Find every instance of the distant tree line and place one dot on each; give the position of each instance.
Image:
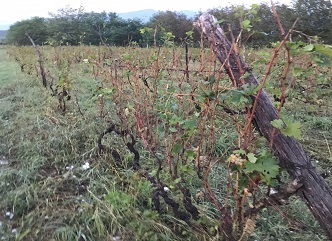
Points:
(256, 24)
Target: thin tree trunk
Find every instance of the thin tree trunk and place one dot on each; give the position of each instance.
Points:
(314, 191)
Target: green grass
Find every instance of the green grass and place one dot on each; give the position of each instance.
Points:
(50, 200)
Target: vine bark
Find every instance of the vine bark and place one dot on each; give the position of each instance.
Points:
(314, 190)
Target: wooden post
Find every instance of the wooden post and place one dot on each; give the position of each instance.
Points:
(313, 190)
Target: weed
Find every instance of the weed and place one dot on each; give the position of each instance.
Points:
(60, 186)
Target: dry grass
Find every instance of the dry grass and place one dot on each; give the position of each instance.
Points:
(51, 195)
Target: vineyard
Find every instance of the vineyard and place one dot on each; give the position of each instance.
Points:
(131, 143)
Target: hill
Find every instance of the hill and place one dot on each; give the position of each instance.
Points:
(3, 34)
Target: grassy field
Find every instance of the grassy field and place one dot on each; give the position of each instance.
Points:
(56, 184)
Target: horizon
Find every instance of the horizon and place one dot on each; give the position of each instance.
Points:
(37, 8)
(7, 26)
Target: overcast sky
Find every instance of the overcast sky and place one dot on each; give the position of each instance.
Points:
(12, 11)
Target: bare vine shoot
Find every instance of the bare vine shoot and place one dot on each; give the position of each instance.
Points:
(208, 140)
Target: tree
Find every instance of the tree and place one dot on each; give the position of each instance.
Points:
(315, 18)
(94, 25)
(176, 23)
(66, 26)
(121, 32)
(110, 28)
(256, 24)
(36, 27)
(266, 30)
(232, 19)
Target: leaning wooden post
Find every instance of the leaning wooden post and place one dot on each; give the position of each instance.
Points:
(311, 187)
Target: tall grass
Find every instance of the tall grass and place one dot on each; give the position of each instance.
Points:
(51, 193)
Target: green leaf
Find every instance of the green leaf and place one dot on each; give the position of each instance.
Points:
(297, 71)
(276, 92)
(173, 130)
(220, 21)
(287, 127)
(324, 49)
(212, 79)
(245, 75)
(238, 97)
(323, 55)
(309, 48)
(292, 129)
(190, 154)
(209, 94)
(153, 173)
(178, 180)
(190, 124)
(266, 165)
(177, 148)
(250, 89)
(251, 157)
(174, 120)
(246, 23)
(126, 57)
(318, 59)
(240, 152)
(153, 58)
(277, 123)
(187, 169)
(142, 30)
(190, 33)
(292, 45)
(254, 8)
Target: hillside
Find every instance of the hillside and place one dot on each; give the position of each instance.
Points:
(3, 34)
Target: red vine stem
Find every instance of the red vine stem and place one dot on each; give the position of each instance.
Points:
(267, 74)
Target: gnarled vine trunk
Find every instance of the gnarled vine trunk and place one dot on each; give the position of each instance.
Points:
(314, 191)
